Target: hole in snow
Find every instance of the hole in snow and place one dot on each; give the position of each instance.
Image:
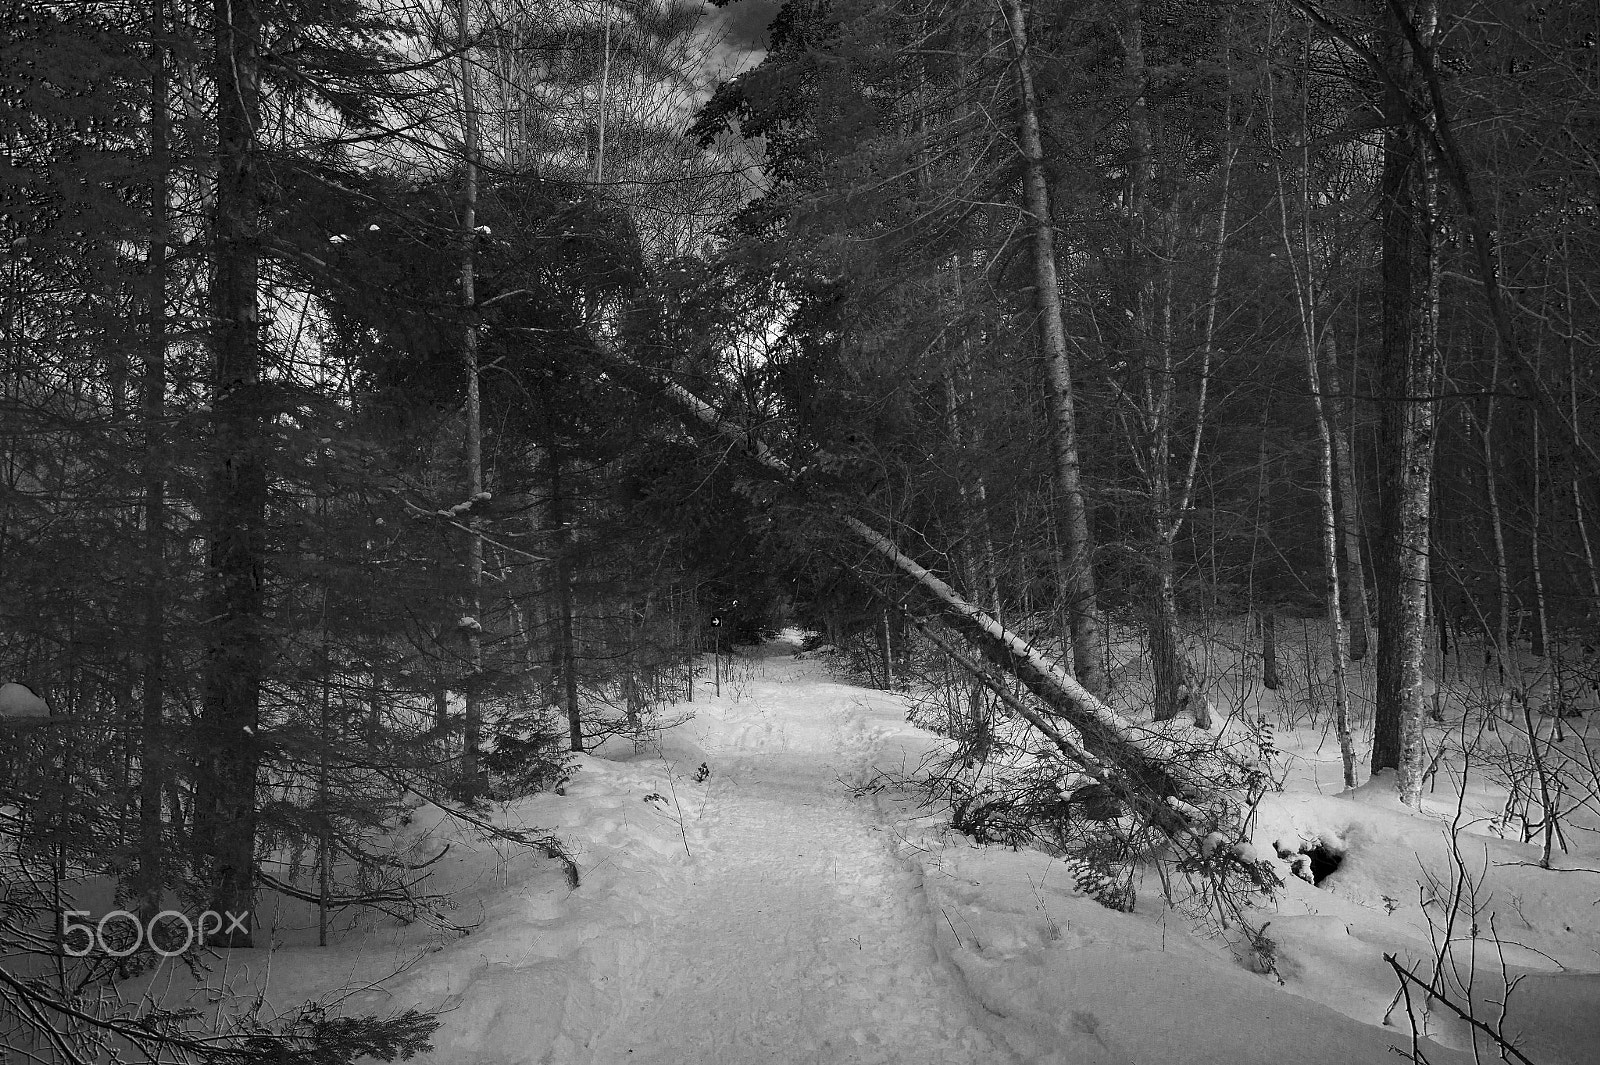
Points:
(1324, 862)
(1312, 860)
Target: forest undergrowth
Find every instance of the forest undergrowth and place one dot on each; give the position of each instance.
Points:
(1511, 756)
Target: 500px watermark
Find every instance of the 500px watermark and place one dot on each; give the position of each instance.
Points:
(80, 938)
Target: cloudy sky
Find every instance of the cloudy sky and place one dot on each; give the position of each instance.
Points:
(741, 31)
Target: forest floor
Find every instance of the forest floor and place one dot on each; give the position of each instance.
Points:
(797, 905)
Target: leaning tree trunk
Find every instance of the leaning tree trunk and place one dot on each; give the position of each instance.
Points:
(228, 753)
(1082, 606)
(1159, 763)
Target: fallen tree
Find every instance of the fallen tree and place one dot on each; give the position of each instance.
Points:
(1172, 767)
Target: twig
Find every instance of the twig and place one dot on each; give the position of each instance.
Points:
(1407, 977)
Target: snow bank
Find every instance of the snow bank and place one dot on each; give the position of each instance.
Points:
(1094, 985)
(795, 905)
(521, 960)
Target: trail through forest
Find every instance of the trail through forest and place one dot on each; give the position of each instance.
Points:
(802, 937)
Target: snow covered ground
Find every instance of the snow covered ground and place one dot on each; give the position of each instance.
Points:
(779, 910)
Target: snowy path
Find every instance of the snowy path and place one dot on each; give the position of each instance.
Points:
(801, 936)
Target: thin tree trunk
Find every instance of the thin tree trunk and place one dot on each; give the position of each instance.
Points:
(530, 652)
(1082, 605)
(600, 107)
(1357, 607)
(1161, 615)
(885, 647)
(1577, 479)
(1542, 616)
(563, 573)
(1330, 555)
(1151, 249)
(1497, 529)
(976, 549)
(1303, 270)
(472, 624)
(149, 874)
(1269, 650)
(324, 781)
(976, 528)
(229, 753)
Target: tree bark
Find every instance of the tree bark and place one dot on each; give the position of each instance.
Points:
(1304, 271)
(1409, 365)
(1082, 604)
(1269, 650)
(149, 876)
(1330, 556)
(472, 731)
(1541, 632)
(1105, 733)
(228, 747)
(1358, 610)
(976, 548)
(566, 665)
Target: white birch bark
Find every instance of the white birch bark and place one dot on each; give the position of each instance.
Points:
(1303, 270)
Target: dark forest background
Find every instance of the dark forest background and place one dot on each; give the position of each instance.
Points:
(392, 396)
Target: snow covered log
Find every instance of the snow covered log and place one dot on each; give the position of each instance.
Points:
(1140, 754)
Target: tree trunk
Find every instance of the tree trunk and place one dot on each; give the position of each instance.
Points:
(228, 748)
(1576, 482)
(977, 539)
(1269, 650)
(1541, 632)
(1171, 680)
(1303, 262)
(472, 732)
(1148, 763)
(1409, 371)
(1356, 605)
(1497, 531)
(1082, 605)
(1151, 249)
(149, 875)
(1330, 557)
(1105, 733)
(565, 662)
(886, 648)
